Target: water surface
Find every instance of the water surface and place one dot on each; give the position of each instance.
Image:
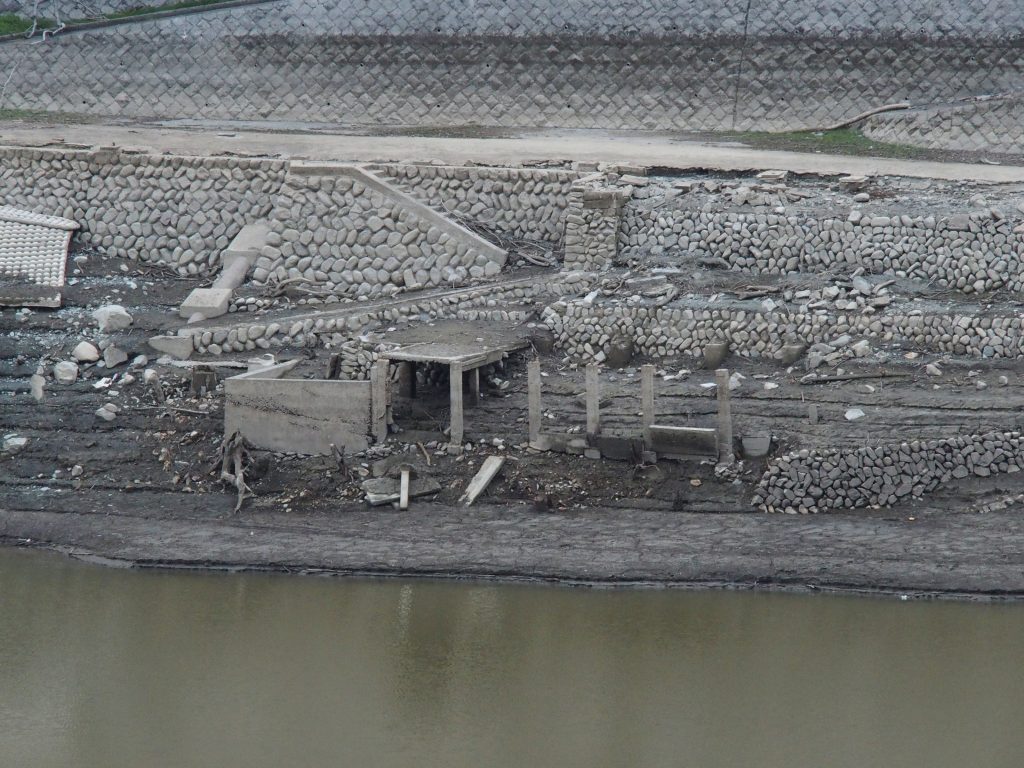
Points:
(104, 668)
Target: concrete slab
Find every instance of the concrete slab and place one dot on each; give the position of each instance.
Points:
(180, 347)
(208, 302)
(684, 442)
(247, 244)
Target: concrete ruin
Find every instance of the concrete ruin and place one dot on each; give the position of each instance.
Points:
(33, 257)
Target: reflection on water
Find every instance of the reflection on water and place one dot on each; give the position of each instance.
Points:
(107, 668)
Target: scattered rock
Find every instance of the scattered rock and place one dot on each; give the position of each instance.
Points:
(113, 357)
(853, 414)
(14, 443)
(107, 412)
(85, 352)
(112, 317)
(65, 372)
(36, 384)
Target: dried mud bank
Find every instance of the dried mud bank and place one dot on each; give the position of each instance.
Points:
(888, 395)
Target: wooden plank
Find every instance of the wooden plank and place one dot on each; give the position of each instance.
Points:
(491, 466)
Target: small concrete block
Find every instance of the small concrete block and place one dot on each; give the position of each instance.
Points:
(715, 353)
(591, 453)
(208, 302)
(180, 347)
(756, 446)
(812, 413)
(576, 446)
(790, 353)
(649, 457)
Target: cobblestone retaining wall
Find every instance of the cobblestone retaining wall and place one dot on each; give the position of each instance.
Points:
(336, 233)
(976, 252)
(178, 211)
(340, 329)
(709, 64)
(520, 202)
(584, 330)
(818, 481)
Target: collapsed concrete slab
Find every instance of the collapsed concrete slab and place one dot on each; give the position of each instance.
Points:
(33, 257)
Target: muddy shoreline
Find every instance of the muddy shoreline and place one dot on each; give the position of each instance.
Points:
(936, 556)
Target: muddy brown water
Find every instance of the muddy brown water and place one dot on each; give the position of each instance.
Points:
(103, 667)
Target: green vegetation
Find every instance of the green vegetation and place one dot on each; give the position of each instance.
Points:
(12, 24)
(845, 141)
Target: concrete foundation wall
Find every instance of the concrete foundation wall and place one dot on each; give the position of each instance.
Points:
(178, 211)
(299, 415)
(709, 64)
(813, 481)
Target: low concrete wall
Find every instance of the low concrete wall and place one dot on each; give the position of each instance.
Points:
(299, 415)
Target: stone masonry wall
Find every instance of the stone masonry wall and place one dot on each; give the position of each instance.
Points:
(335, 233)
(708, 64)
(521, 202)
(341, 329)
(976, 252)
(178, 211)
(813, 481)
(584, 329)
(592, 226)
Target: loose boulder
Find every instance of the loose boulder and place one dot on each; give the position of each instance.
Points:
(65, 372)
(112, 317)
(85, 352)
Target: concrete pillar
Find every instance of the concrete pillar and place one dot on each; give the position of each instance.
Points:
(407, 379)
(455, 397)
(724, 427)
(533, 385)
(379, 385)
(593, 401)
(474, 386)
(647, 400)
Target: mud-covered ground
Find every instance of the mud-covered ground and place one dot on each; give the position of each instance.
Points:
(145, 488)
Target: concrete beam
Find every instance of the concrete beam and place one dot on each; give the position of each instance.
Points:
(533, 385)
(593, 400)
(724, 428)
(455, 403)
(647, 400)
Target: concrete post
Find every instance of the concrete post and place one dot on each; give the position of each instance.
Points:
(593, 401)
(724, 427)
(647, 401)
(455, 398)
(474, 386)
(379, 375)
(533, 385)
(407, 379)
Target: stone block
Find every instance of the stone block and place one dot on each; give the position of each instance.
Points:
(715, 353)
(180, 347)
(208, 302)
(756, 446)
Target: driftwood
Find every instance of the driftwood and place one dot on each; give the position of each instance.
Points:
(851, 377)
(864, 116)
(234, 455)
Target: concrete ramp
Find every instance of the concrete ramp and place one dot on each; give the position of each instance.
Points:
(342, 230)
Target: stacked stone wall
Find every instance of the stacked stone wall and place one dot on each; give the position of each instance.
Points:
(343, 327)
(335, 233)
(523, 203)
(592, 227)
(971, 252)
(819, 481)
(584, 330)
(178, 211)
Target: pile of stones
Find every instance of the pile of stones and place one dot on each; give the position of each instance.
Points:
(812, 481)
